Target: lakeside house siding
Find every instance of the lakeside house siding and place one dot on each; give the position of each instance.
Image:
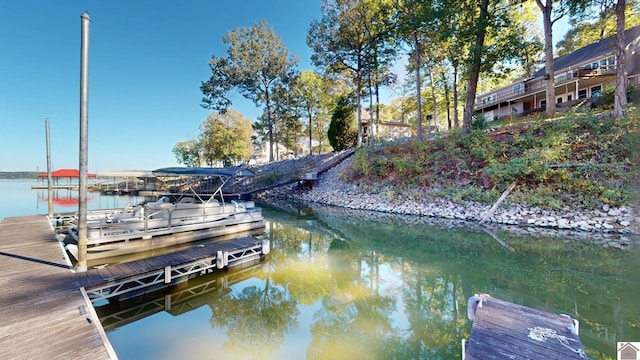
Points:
(581, 74)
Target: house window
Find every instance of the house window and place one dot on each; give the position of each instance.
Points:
(608, 63)
(596, 91)
(559, 100)
(582, 94)
(569, 97)
(543, 103)
(518, 88)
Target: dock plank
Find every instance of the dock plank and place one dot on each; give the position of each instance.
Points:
(41, 298)
(503, 330)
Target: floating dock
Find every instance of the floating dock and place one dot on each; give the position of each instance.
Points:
(147, 275)
(47, 310)
(503, 330)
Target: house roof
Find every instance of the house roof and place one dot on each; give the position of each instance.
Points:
(68, 173)
(589, 52)
(627, 345)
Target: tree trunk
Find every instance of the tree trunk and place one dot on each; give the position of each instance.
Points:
(359, 100)
(474, 68)
(548, 61)
(310, 139)
(418, 85)
(621, 62)
(370, 140)
(269, 120)
(497, 203)
(377, 107)
(456, 117)
(447, 102)
(433, 96)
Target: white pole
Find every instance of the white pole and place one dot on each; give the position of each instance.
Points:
(84, 121)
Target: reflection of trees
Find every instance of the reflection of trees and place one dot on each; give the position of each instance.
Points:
(596, 284)
(433, 302)
(299, 263)
(257, 319)
(355, 321)
(423, 314)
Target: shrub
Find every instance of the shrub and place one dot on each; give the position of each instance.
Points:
(343, 131)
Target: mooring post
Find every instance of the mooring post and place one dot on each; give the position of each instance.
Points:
(49, 178)
(84, 124)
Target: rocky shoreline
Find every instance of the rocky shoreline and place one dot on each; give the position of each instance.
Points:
(614, 226)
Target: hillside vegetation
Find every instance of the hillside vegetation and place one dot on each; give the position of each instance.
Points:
(581, 160)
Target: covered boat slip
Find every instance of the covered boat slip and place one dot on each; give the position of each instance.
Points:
(191, 215)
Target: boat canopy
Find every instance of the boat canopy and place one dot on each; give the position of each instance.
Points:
(126, 173)
(203, 171)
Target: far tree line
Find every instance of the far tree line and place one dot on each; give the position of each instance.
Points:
(453, 49)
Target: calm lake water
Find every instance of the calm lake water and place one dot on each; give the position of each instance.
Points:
(355, 285)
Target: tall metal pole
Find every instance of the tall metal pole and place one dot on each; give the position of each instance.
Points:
(84, 125)
(49, 178)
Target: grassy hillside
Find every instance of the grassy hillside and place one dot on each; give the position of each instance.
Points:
(579, 160)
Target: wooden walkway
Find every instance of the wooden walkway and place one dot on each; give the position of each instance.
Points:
(503, 330)
(43, 313)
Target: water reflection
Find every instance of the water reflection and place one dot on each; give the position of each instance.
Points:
(352, 285)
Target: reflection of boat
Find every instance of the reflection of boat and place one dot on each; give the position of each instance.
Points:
(173, 219)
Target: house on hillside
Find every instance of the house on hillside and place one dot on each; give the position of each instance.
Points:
(578, 75)
(387, 130)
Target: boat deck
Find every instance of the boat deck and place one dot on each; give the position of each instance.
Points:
(44, 313)
(503, 330)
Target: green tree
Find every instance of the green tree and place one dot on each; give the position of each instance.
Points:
(603, 17)
(339, 43)
(287, 118)
(257, 61)
(342, 133)
(313, 96)
(187, 153)
(620, 97)
(591, 27)
(225, 138)
(550, 15)
(593, 21)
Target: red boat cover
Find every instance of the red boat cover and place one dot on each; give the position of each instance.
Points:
(67, 173)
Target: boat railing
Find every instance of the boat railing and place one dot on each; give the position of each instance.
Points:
(114, 230)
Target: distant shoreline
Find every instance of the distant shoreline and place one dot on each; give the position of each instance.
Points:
(15, 175)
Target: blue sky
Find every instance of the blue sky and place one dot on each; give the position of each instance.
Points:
(147, 59)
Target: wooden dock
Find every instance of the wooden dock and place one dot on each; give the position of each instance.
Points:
(503, 330)
(135, 278)
(46, 309)
(44, 313)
